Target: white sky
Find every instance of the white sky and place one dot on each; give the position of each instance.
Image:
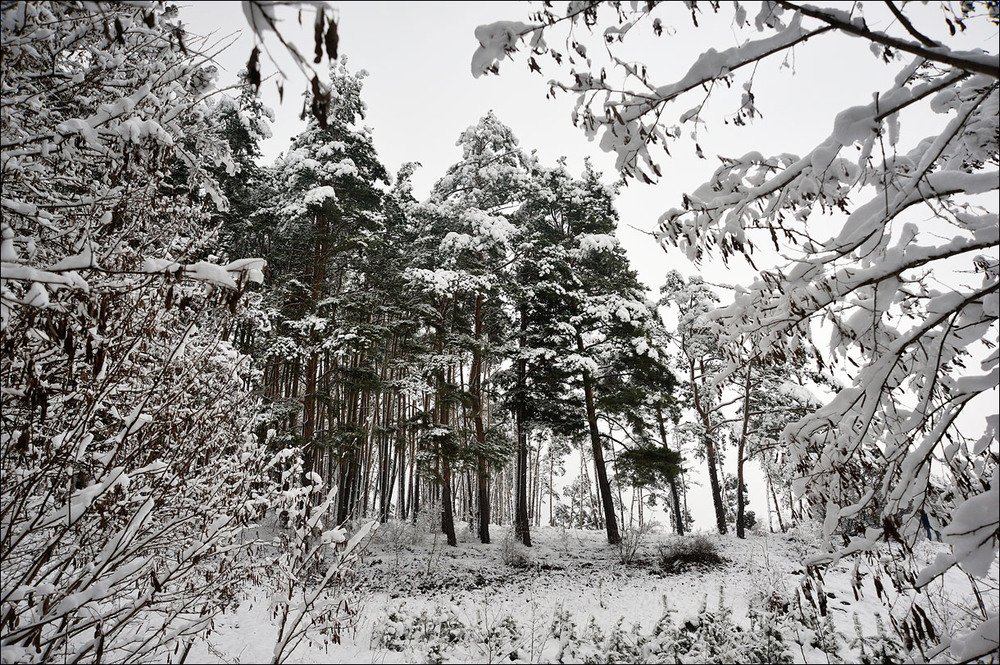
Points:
(421, 95)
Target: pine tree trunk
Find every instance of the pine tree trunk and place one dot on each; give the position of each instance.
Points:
(777, 507)
(309, 418)
(674, 494)
(476, 395)
(445, 443)
(447, 511)
(710, 454)
(552, 521)
(521, 528)
(604, 486)
(713, 480)
(740, 453)
(318, 279)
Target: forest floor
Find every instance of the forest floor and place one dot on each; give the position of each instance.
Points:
(574, 598)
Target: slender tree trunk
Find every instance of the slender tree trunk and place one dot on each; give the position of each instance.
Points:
(476, 395)
(536, 501)
(447, 510)
(621, 496)
(604, 486)
(740, 454)
(674, 494)
(444, 448)
(521, 528)
(713, 472)
(309, 417)
(713, 480)
(552, 521)
(777, 507)
(446, 442)
(318, 279)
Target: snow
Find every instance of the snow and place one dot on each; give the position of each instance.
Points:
(984, 639)
(319, 195)
(974, 523)
(206, 271)
(81, 261)
(135, 130)
(597, 242)
(419, 600)
(495, 39)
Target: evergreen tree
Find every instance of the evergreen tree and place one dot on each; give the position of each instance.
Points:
(583, 313)
(701, 360)
(467, 258)
(327, 218)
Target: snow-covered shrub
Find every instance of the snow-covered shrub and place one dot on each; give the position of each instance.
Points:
(569, 540)
(563, 629)
(513, 553)
(878, 648)
(815, 634)
(129, 470)
(632, 539)
(712, 636)
(617, 646)
(309, 564)
(691, 551)
(427, 635)
(497, 637)
(767, 642)
(396, 535)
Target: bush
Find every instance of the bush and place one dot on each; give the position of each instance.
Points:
(684, 552)
(427, 635)
(513, 553)
(713, 636)
(632, 539)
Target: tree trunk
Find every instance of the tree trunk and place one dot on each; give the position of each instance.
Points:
(445, 443)
(447, 512)
(318, 283)
(713, 479)
(777, 507)
(521, 526)
(309, 418)
(740, 453)
(522, 530)
(674, 494)
(552, 521)
(603, 485)
(713, 473)
(476, 395)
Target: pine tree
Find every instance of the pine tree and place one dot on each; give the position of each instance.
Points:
(468, 253)
(701, 360)
(327, 216)
(583, 310)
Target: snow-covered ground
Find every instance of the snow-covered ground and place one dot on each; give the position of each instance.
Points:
(574, 598)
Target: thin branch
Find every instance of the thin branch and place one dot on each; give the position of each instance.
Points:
(933, 54)
(924, 39)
